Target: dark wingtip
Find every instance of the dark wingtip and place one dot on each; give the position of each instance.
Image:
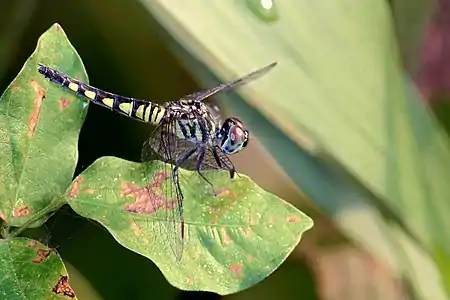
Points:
(270, 66)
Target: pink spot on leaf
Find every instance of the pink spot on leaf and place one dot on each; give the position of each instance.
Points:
(147, 199)
(41, 255)
(226, 238)
(63, 103)
(293, 219)
(21, 211)
(39, 95)
(89, 191)
(75, 189)
(236, 269)
(32, 244)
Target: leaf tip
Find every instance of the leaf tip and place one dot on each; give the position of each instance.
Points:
(57, 27)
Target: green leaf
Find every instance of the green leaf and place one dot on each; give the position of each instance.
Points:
(338, 117)
(39, 128)
(30, 270)
(233, 241)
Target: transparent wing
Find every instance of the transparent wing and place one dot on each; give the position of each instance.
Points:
(164, 146)
(215, 159)
(201, 95)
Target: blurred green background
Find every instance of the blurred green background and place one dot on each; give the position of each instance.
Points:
(340, 130)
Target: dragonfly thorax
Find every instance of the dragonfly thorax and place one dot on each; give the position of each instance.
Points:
(191, 120)
(233, 137)
(187, 109)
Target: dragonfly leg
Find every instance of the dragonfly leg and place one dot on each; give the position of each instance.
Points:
(177, 166)
(178, 188)
(200, 157)
(232, 170)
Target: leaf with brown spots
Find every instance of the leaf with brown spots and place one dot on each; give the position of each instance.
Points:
(41, 255)
(39, 132)
(243, 234)
(63, 287)
(32, 270)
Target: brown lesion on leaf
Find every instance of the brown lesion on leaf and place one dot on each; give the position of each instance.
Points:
(63, 103)
(143, 240)
(189, 281)
(32, 244)
(236, 269)
(88, 191)
(21, 211)
(41, 255)
(293, 219)
(63, 287)
(226, 238)
(39, 96)
(75, 189)
(136, 229)
(251, 221)
(147, 199)
(225, 192)
(16, 87)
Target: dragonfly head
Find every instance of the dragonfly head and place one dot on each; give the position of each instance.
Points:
(233, 136)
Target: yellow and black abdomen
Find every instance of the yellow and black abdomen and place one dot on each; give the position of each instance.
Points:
(141, 110)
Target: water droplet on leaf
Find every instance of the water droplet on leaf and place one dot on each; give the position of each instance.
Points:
(264, 9)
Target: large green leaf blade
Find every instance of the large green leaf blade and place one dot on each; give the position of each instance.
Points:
(39, 128)
(233, 240)
(338, 93)
(30, 270)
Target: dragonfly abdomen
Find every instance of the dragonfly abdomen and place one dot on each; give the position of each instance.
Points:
(137, 109)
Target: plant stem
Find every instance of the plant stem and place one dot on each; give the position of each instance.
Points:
(52, 207)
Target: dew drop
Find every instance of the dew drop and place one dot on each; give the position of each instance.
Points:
(264, 9)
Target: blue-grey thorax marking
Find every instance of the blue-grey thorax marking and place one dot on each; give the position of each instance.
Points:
(193, 121)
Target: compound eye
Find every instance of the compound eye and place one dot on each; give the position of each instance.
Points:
(237, 135)
(234, 140)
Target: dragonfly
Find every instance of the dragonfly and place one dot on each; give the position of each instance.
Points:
(189, 134)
